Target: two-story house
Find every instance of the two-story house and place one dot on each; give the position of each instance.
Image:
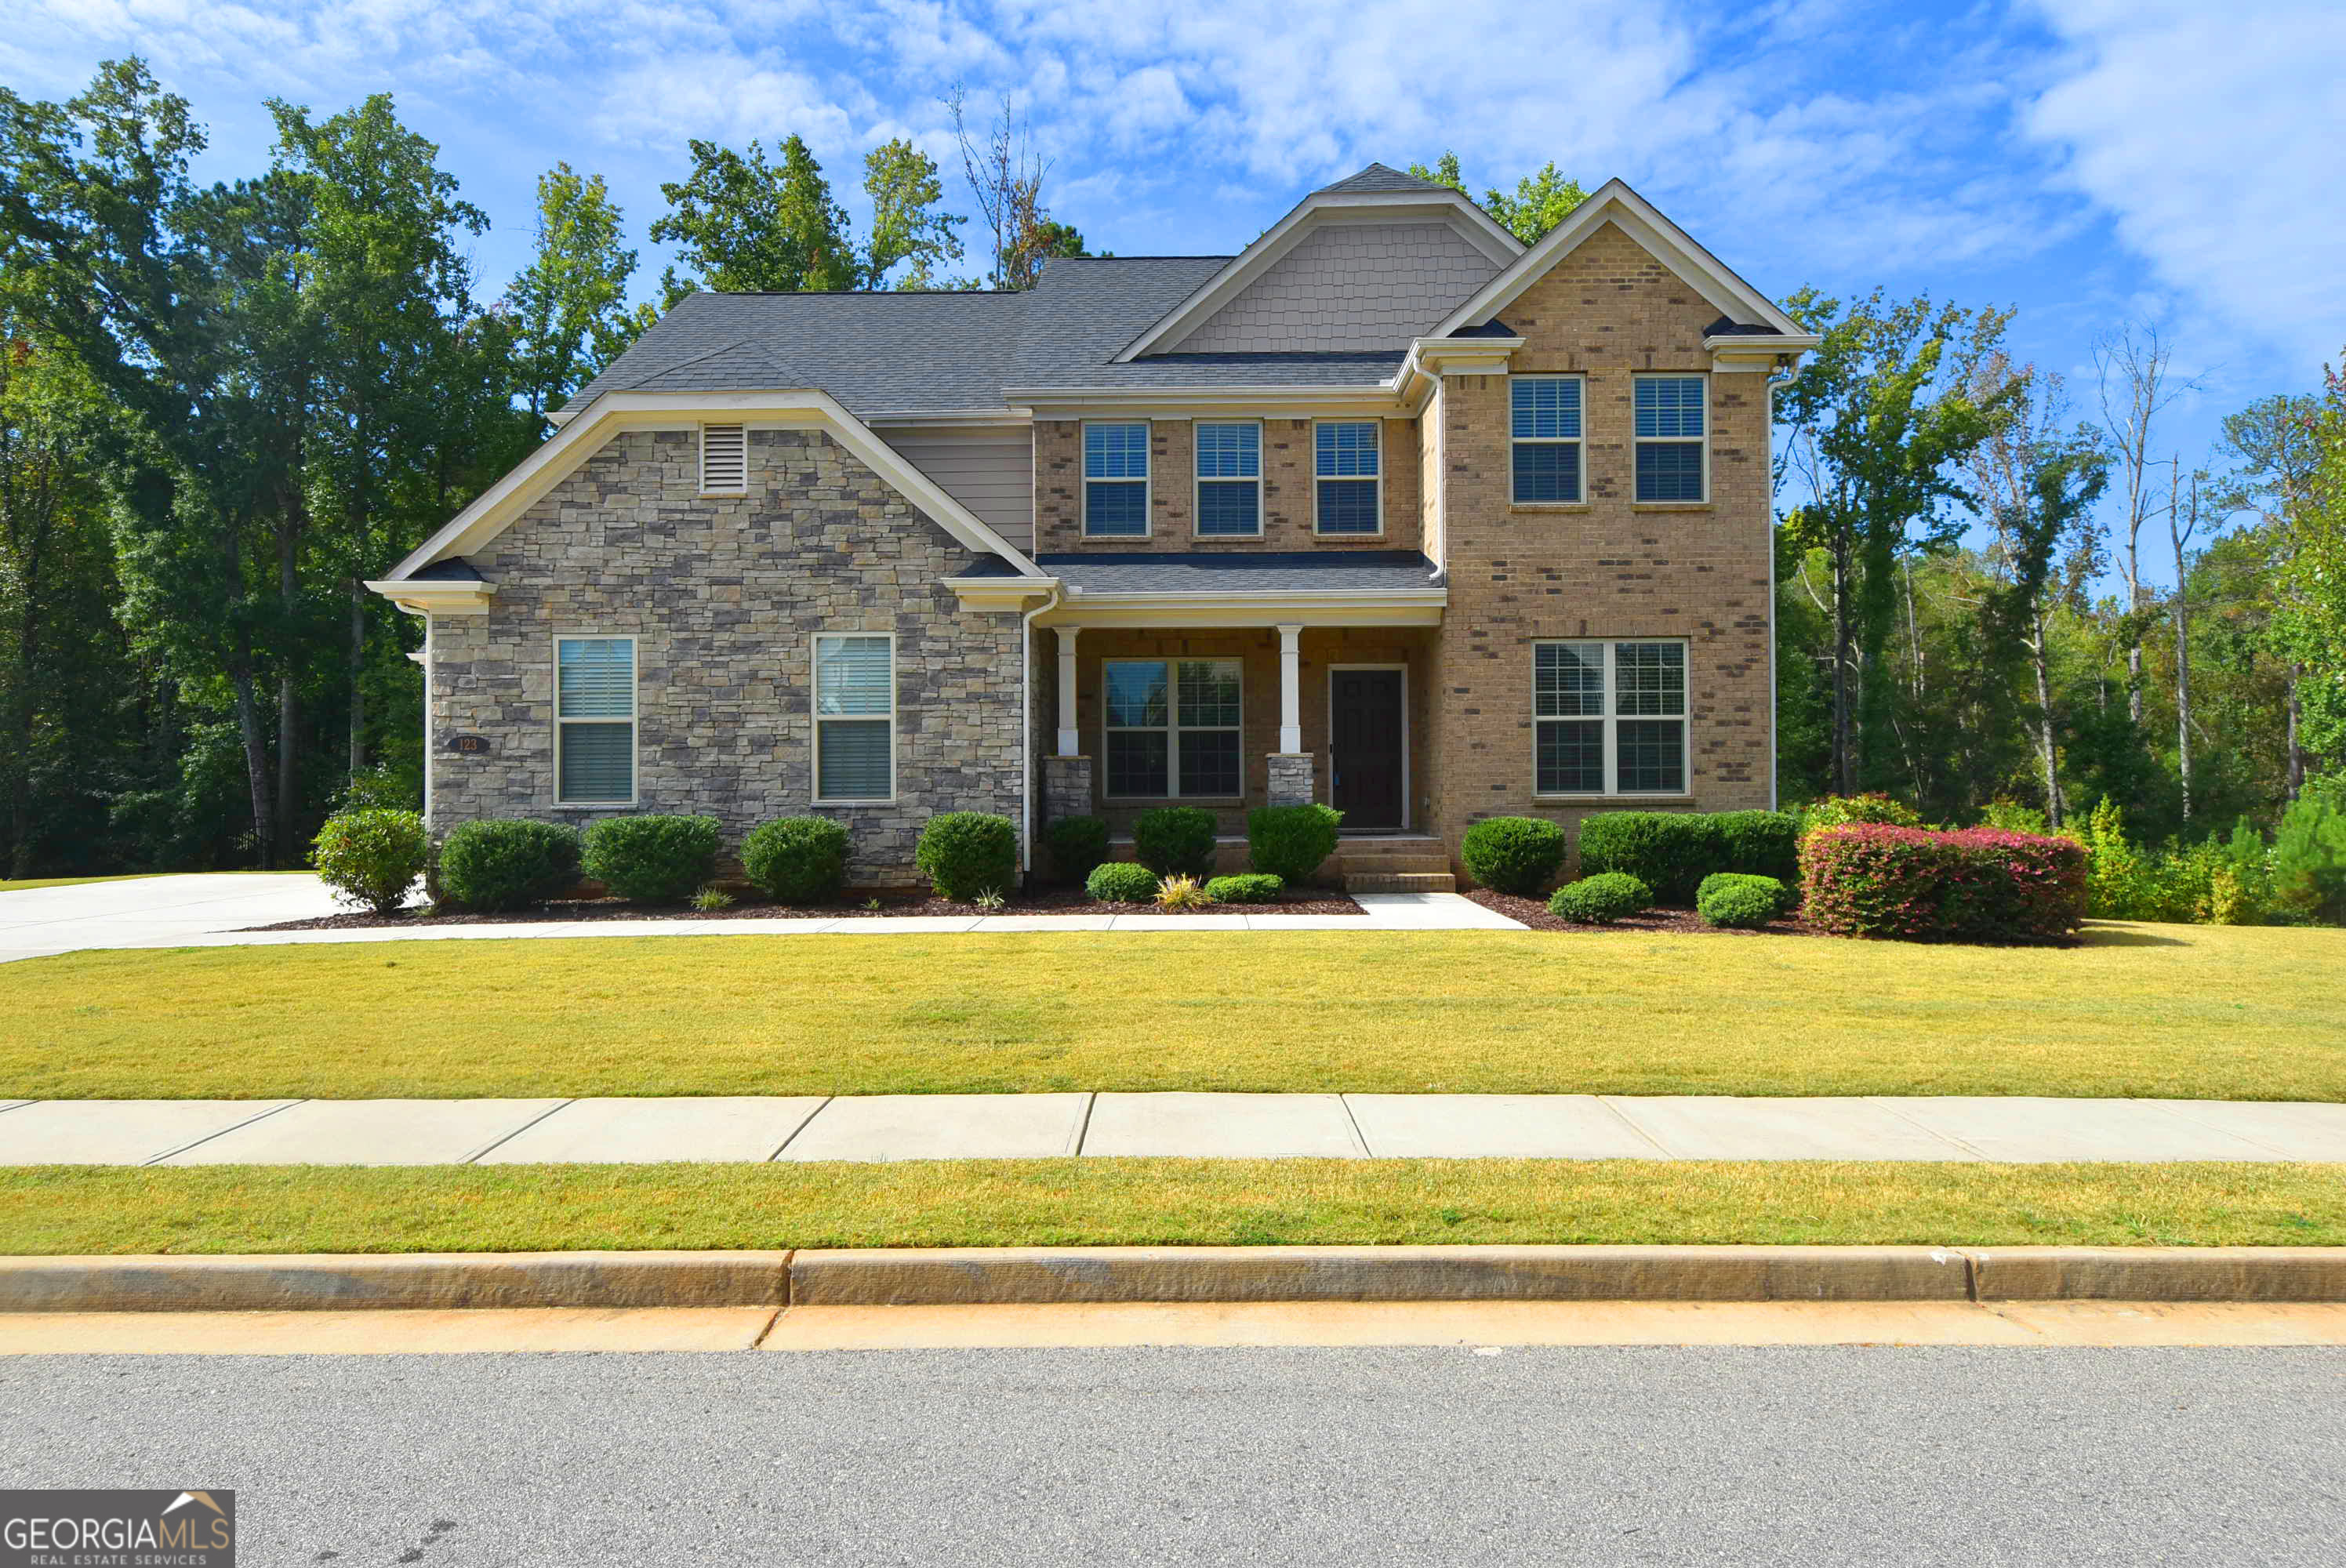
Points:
(1388, 511)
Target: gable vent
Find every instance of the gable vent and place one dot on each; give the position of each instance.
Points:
(724, 458)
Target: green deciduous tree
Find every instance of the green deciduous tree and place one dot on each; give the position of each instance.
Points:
(569, 307)
(744, 225)
(1538, 203)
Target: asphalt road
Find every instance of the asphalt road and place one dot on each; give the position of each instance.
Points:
(1291, 1456)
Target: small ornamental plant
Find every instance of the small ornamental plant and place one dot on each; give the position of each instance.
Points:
(502, 864)
(798, 860)
(1602, 899)
(1180, 893)
(1512, 854)
(1077, 844)
(651, 859)
(1978, 884)
(962, 853)
(1175, 841)
(371, 856)
(1739, 901)
(1121, 883)
(1290, 841)
(1245, 887)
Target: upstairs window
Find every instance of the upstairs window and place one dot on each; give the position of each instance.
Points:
(1116, 481)
(1546, 438)
(1672, 435)
(1609, 718)
(1229, 481)
(1345, 477)
(854, 717)
(594, 721)
(724, 460)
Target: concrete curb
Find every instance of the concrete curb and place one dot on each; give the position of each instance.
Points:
(1057, 1276)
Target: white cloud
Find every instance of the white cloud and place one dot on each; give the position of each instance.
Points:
(2215, 137)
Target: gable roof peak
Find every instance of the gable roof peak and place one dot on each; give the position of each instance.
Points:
(1379, 176)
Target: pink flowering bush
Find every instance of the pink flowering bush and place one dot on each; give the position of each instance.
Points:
(1979, 884)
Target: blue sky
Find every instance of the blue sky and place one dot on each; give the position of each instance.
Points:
(2093, 162)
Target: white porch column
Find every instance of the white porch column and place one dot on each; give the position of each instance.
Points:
(1068, 739)
(1291, 690)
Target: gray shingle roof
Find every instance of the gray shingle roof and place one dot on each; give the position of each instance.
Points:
(1270, 572)
(1381, 176)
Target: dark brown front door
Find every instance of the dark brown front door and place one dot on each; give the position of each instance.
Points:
(1365, 748)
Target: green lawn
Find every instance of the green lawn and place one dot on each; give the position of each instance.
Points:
(27, 884)
(255, 1208)
(2138, 1010)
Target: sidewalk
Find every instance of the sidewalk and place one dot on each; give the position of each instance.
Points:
(212, 910)
(1198, 1125)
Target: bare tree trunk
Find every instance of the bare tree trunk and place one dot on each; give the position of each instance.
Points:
(2048, 755)
(2136, 387)
(1844, 764)
(289, 697)
(358, 670)
(1920, 686)
(2296, 775)
(2181, 535)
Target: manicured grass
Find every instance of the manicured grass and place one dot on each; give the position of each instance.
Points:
(2177, 1011)
(27, 884)
(456, 1208)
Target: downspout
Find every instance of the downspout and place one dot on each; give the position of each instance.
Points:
(1775, 738)
(1026, 729)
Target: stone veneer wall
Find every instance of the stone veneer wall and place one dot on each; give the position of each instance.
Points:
(1608, 568)
(1286, 491)
(725, 595)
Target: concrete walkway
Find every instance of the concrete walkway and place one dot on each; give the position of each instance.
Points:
(211, 909)
(1198, 1125)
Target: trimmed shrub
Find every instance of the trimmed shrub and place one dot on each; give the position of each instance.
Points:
(1246, 888)
(1844, 810)
(1512, 854)
(1175, 841)
(1121, 883)
(1672, 851)
(652, 858)
(966, 853)
(1602, 899)
(1077, 844)
(1289, 841)
(507, 864)
(798, 860)
(371, 856)
(1979, 884)
(1737, 898)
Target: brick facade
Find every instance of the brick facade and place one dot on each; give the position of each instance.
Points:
(724, 595)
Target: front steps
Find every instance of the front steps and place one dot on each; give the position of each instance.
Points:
(1415, 864)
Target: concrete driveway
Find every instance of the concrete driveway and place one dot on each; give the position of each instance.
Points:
(153, 911)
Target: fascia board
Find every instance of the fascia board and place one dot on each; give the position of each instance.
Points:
(503, 502)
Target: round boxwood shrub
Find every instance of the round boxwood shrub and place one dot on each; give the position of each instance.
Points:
(1512, 854)
(798, 860)
(372, 857)
(507, 864)
(1121, 883)
(1602, 899)
(653, 859)
(1175, 841)
(1289, 841)
(966, 853)
(1077, 844)
(1246, 888)
(1735, 899)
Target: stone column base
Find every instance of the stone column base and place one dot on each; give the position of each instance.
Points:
(1067, 788)
(1291, 778)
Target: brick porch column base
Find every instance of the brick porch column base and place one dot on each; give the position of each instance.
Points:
(1291, 778)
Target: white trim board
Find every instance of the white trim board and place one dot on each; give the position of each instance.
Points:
(504, 502)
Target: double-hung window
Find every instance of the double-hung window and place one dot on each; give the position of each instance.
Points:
(594, 721)
(1173, 728)
(1116, 481)
(1546, 438)
(1345, 472)
(1229, 481)
(854, 717)
(724, 460)
(1672, 430)
(1609, 718)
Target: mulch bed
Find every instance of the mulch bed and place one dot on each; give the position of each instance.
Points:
(1534, 913)
(1041, 901)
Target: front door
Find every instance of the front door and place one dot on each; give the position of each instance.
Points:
(1365, 748)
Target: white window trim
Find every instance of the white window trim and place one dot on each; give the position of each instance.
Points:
(1319, 532)
(1147, 479)
(815, 720)
(1199, 481)
(1637, 440)
(1408, 805)
(740, 489)
(1610, 720)
(1172, 730)
(635, 720)
(1578, 443)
